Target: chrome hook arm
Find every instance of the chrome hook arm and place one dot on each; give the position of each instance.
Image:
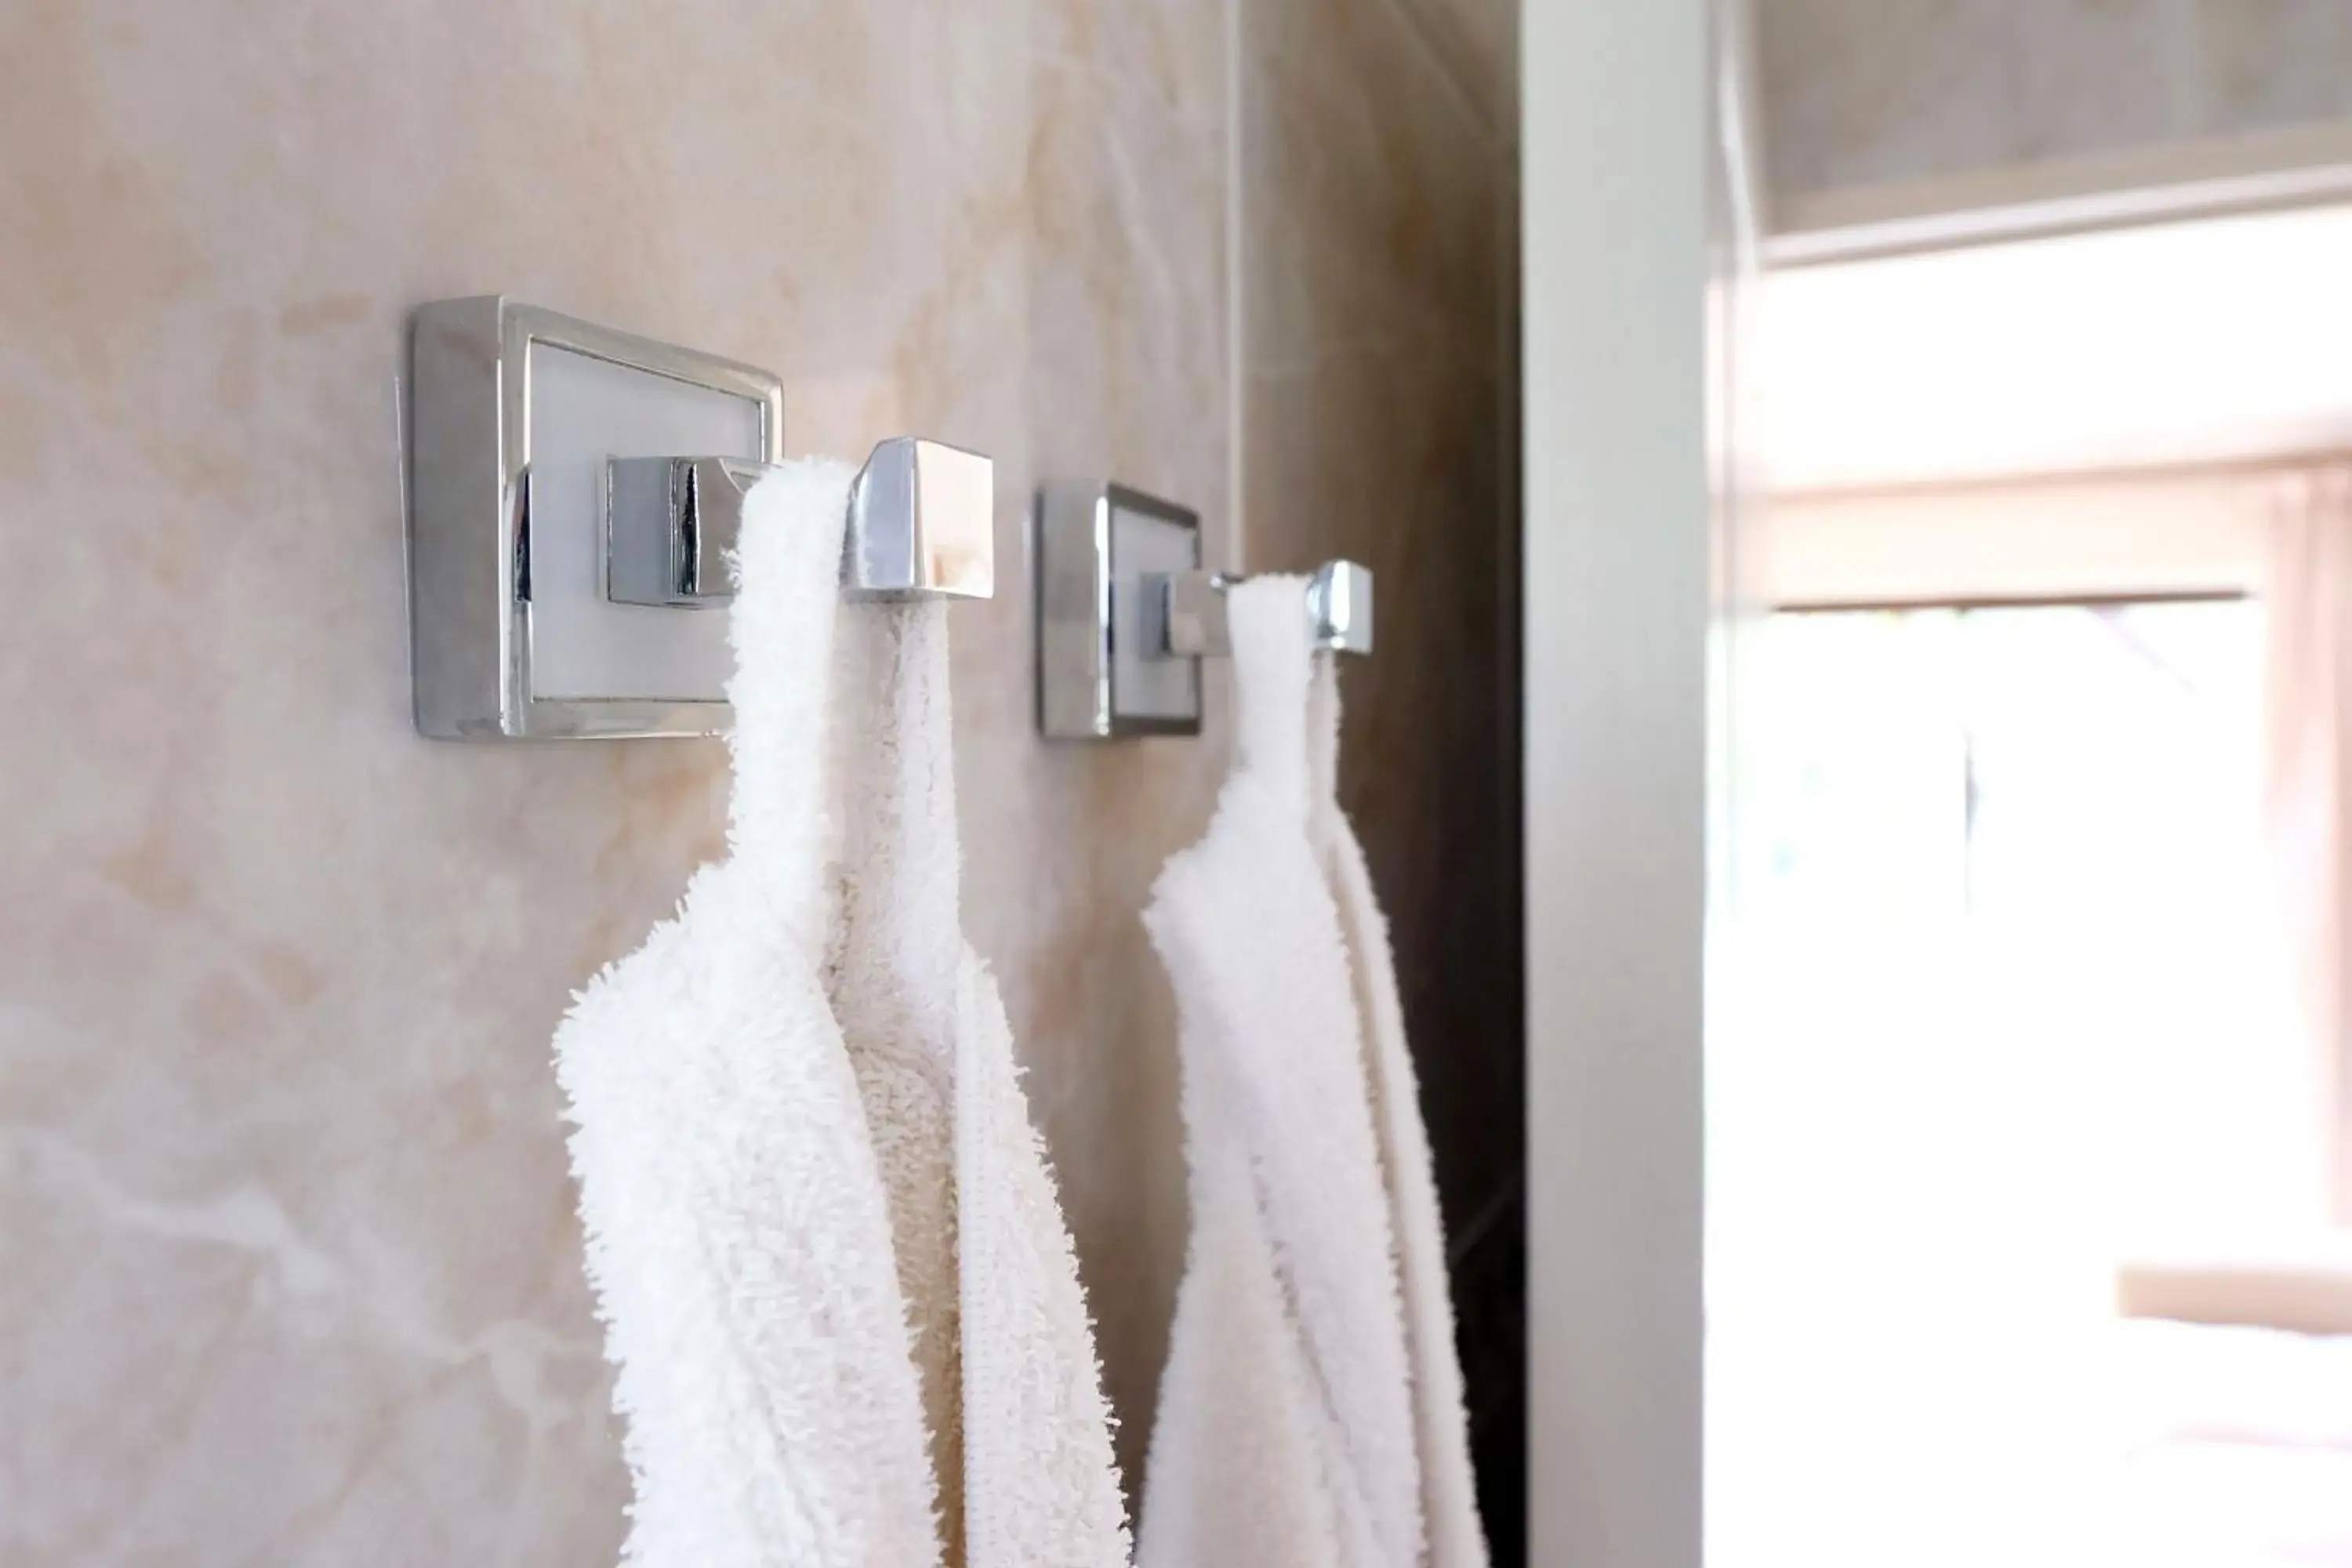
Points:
(921, 524)
(1191, 620)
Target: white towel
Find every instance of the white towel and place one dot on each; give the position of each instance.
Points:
(1449, 1495)
(1311, 1412)
(820, 1228)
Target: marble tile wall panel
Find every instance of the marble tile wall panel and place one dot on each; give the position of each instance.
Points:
(292, 1272)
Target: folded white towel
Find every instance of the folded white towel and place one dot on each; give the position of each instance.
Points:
(828, 1253)
(1306, 1416)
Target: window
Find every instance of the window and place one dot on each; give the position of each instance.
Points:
(2004, 1010)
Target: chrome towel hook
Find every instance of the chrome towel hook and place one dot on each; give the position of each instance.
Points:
(1192, 610)
(922, 525)
(1126, 613)
(554, 532)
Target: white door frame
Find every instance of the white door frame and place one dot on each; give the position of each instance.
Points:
(1615, 169)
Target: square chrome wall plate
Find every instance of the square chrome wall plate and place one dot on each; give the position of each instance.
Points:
(1102, 669)
(516, 414)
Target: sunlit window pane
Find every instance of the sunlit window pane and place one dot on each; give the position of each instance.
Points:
(2003, 1008)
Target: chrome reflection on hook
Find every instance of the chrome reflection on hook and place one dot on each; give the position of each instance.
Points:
(1339, 607)
(670, 525)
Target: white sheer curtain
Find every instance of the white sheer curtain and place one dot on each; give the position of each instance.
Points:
(2309, 604)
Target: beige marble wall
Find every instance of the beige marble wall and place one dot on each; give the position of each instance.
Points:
(291, 1274)
(1128, 311)
(289, 1268)
(1861, 91)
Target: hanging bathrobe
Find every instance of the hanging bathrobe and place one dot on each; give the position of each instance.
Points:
(842, 1306)
(1310, 1413)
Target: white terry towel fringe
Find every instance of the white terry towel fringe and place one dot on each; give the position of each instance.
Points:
(837, 1291)
(1311, 1410)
